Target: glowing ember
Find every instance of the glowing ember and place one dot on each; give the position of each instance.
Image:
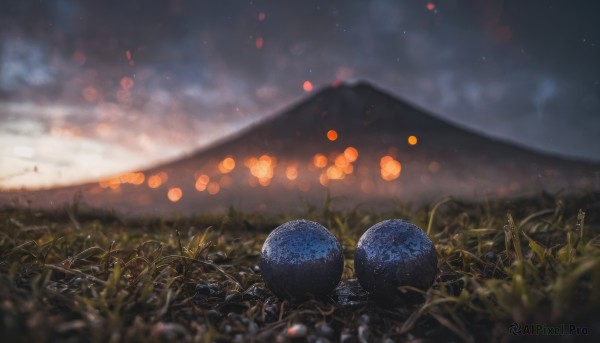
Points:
(390, 168)
(320, 161)
(351, 154)
(259, 42)
(307, 86)
(201, 182)
(332, 135)
(174, 194)
(227, 165)
(412, 140)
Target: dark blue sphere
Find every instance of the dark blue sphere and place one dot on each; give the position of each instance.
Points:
(301, 259)
(391, 254)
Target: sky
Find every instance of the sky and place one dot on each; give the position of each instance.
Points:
(93, 88)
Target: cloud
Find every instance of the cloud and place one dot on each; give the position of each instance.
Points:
(197, 73)
(23, 63)
(544, 91)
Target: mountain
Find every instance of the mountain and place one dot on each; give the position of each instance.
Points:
(386, 150)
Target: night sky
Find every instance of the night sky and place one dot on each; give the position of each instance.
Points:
(91, 88)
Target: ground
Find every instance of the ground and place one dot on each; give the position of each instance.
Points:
(509, 270)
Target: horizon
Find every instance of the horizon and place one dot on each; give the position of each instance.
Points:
(110, 177)
(146, 170)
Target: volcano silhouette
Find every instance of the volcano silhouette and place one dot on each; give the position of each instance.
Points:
(287, 161)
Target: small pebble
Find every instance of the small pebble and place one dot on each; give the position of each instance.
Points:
(296, 331)
(233, 297)
(490, 256)
(255, 292)
(325, 329)
(346, 336)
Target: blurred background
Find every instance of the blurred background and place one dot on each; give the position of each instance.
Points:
(90, 89)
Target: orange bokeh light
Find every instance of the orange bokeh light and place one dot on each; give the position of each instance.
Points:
(351, 154)
(412, 140)
(227, 165)
(261, 168)
(291, 172)
(138, 179)
(133, 178)
(250, 161)
(112, 183)
(323, 179)
(332, 135)
(430, 6)
(390, 168)
(174, 194)
(307, 86)
(341, 161)
(320, 161)
(349, 169)
(201, 182)
(157, 180)
(154, 181)
(163, 176)
(335, 173)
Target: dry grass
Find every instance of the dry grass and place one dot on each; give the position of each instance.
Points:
(83, 275)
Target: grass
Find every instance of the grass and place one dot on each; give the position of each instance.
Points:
(84, 275)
